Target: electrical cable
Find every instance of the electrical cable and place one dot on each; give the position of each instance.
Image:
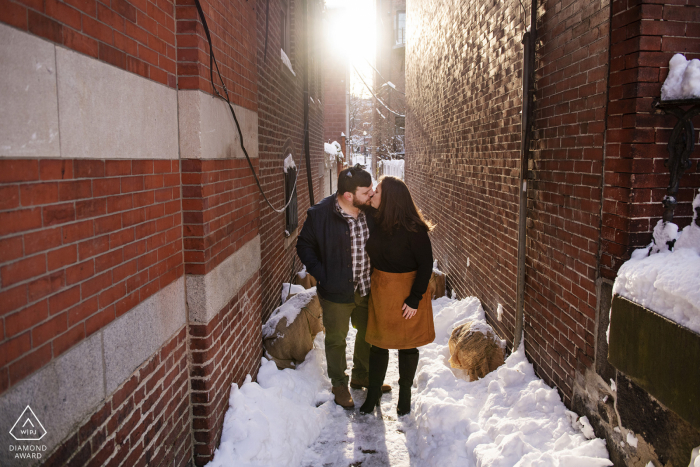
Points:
(373, 95)
(386, 81)
(213, 63)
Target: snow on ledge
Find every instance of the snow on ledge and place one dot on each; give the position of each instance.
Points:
(683, 80)
(666, 281)
(287, 62)
(289, 163)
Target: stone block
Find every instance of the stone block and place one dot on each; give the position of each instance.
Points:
(28, 99)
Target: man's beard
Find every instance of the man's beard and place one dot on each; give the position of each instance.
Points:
(362, 207)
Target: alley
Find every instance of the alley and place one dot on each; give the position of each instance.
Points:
(288, 417)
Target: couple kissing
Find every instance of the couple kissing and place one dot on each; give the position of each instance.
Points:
(371, 255)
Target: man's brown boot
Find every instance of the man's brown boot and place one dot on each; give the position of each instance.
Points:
(364, 383)
(343, 397)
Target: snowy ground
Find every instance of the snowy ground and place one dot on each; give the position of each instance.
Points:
(508, 418)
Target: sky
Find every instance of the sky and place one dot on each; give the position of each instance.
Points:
(353, 33)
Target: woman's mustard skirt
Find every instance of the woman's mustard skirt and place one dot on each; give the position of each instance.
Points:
(386, 326)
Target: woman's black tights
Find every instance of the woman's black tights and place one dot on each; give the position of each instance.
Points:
(378, 362)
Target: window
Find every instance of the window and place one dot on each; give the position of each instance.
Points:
(400, 27)
(286, 21)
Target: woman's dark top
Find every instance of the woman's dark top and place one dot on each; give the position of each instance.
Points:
(404, 251)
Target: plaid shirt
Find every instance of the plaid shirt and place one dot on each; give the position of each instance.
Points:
(359, 233)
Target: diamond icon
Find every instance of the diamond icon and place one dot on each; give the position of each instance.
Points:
(28, 427)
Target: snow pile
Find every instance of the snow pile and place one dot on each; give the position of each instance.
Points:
(393, 168)
(291, 289)
(271, 422)
(683, 80)
(287, 62)
(508, 418)
(333, 151)
(666, 282)
(289, 163)
(289, 309)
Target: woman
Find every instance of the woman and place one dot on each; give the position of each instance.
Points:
(400, 312)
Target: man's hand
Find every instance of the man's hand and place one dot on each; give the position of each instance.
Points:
(408, 312)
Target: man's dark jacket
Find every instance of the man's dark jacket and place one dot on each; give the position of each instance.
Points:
(324, 247)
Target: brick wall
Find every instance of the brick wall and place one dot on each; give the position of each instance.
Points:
(145, 422)
(224, 351)
(466, 159)
(137, 36)
(232, 27)
(565, 200)
(644, 38)
(336, 71)
(219, 209)
(81, 243)
(281, 129)
(463, 141)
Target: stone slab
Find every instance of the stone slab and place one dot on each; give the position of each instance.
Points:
(208, 131)
(208, 294)
(61, 395)
(108, 113)
(28, 99)
(134, 337)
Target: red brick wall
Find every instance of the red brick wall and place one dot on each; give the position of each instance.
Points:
(565, 198)
(464, 147)
(81, 243)
(145, 422)
(463, 165)
(232, 27)
(281, 125)
(134, 35)
(220, 210)
(644, 38)
(336, 70)
(224, 351)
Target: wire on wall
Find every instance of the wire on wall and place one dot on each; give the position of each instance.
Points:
(225, 97)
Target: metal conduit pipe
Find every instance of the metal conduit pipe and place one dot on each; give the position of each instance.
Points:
(305, 71)
(529, 39)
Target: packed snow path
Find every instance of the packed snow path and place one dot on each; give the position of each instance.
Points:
(508, 418)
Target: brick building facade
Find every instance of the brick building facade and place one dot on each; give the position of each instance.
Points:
(137, 257)
(388, 128)
(594, 183)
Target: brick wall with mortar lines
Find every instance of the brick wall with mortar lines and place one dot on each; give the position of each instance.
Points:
(479, 154)
(223, 352)
(134, 35)
(145, 422)
(281, 125)
(232, 27)
(220, 210)
(463, 134)
(644, 38)
(81, 243)
(565, 197)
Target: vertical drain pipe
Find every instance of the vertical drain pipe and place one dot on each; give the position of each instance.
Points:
(307, 51)
(529, 39)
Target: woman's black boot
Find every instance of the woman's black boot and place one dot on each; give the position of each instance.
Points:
(378, 361)
(408, 362)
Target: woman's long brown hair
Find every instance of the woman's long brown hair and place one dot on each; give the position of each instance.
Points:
(397, 209)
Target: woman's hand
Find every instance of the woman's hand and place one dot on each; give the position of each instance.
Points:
(408, 312)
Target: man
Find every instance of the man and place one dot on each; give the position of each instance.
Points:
(332, 247)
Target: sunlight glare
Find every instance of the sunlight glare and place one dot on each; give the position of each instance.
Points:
(351, 32)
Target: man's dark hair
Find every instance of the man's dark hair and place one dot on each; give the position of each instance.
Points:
(352, 178)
